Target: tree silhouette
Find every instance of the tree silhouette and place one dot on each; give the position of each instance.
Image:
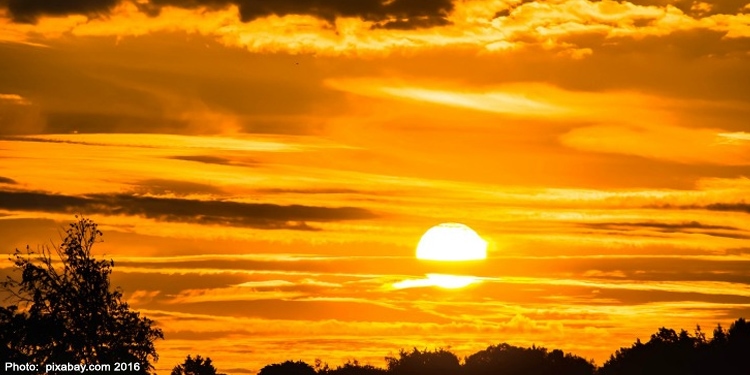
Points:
(738, 348)
(351, 367)
(195, 366)
(288, 368)
(14, 336)
(416, 362)
(512, 360)
(63, 310)
(670, 353)
(667, 352)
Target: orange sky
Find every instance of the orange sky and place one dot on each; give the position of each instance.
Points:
(263, 171)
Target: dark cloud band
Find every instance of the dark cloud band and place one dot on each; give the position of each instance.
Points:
(401, 14)
(736, 207)
(691, 227)
(6, 180)
(29, 10)
(659, 226)
(254, 215)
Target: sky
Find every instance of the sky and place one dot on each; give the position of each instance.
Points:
(263, 170)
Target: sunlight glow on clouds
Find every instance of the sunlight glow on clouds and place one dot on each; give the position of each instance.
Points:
(185, 143)
(632, 123)
(690, 145)
(13, 99)
(734, 138)
(546, 23)
(492, 102)
(443, 281)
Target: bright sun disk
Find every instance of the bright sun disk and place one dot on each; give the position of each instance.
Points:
(451, 242)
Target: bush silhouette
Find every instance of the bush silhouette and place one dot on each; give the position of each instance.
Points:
(437, 362)
(65, 312)
(351, 367)
(195, 366)
(512, 360)
(288, 368)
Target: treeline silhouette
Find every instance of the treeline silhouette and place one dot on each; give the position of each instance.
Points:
(666, 353)
(63, 310)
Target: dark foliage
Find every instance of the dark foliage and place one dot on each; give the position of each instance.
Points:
(672, 353)
(511, 360)
(288, 368)
(438, 362)
(351, 367)
(195, 366)
(64, 310)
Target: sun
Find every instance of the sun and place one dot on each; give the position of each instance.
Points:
(451, 242)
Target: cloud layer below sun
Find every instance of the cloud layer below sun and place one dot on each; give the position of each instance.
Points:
(263, 171)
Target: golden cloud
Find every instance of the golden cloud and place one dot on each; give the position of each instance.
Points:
(475, 24)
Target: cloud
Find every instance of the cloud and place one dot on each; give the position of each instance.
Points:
(529, 99)
(398, 14)
(497, 102)
(524, 324)
(383, 27)
(691, 227)
(6, 180)
(734, 138)
(736, 207)
(624, 122)
(660, 141)
(275, 289)
(161, 187)
(711, 287)
(741, 206)
(253, 215)
(664, 226)
(604, 274)
(84, 122)
(210, 159)
(167, 141)
(698, 8)
(13, 99)
(145, 284)
(18, 115)
(221, 96)
(231, 294)
(139, 297)
(435, 280)
(28, 11)
(309, 191)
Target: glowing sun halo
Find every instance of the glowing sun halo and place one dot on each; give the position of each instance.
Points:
(451, 242)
